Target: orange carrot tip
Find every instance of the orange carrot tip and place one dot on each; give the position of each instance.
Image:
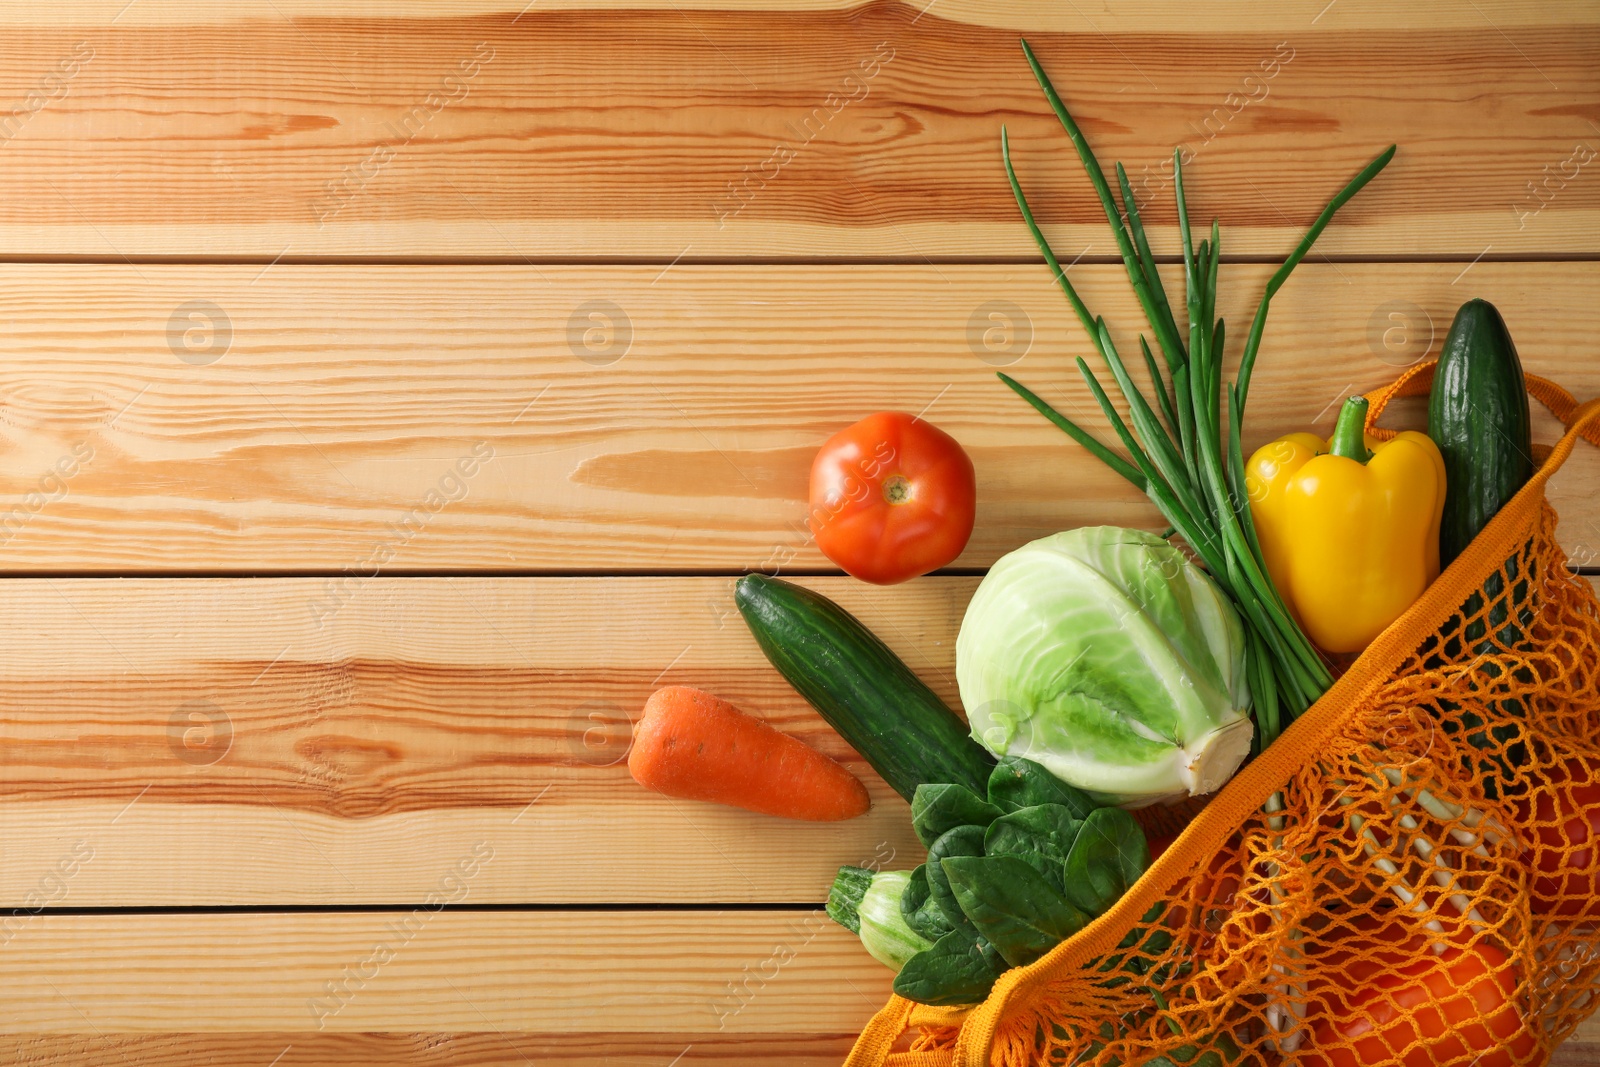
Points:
(693, 745)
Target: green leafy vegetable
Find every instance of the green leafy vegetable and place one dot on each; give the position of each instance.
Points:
(919, 910)
(1107, 657)
(1016, 783)
(1040, 836)
(960, 968)
(1012, 906)
(938, 809)
(994, 891)
(1108, 856)
(961, 841)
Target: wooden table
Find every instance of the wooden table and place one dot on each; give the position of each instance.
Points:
(391, 393)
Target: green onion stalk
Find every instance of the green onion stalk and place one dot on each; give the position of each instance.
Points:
(1192, 468)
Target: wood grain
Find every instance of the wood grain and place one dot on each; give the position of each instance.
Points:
(734, 974)
(1149, 16)
(727, 985)
(244, 751)
(488, 1049)
(468, 290)
(402, 419)
(484, 1048)
(1582, 1049)
(308, 129)
(360, 761)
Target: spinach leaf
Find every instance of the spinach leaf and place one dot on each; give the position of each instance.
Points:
(1012, 905)
(962, 841)
(1021, 783)
(960, 968)
(1040, 836)
(919, 910)
(1108, 856)
(938, 809)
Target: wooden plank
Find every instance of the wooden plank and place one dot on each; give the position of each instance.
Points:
(484, 1048)
(734, 975)
(1146, 16)
(216, 742)
(239, 754)
(492, 129)
(1582, 1049)
(311, 1049)
(602, 418)
(644, 986)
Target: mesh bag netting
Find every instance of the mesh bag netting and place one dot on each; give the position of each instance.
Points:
(1405, 877)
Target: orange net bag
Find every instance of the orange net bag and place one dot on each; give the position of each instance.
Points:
(1407, 876)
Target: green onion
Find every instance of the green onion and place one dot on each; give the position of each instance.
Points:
(1182, 457)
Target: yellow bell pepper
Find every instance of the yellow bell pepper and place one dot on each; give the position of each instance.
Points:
(1349, 528)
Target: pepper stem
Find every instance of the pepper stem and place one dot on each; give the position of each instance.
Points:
(1349, 436)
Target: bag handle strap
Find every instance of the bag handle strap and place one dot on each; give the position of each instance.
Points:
(1418, 380)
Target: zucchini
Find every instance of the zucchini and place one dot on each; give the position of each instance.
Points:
(1478, 416)
(861, 688)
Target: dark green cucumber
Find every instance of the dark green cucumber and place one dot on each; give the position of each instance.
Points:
(1478, 416)
(861, 688)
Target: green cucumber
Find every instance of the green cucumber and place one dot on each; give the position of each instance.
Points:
(861, 688)
(1478, 416)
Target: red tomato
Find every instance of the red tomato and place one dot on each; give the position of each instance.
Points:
(892, 497)
(1561, 824)
(1461, 999)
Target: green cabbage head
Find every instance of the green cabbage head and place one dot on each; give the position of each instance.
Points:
(1106, 656)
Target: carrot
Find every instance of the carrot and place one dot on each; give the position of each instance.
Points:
(693, 745)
